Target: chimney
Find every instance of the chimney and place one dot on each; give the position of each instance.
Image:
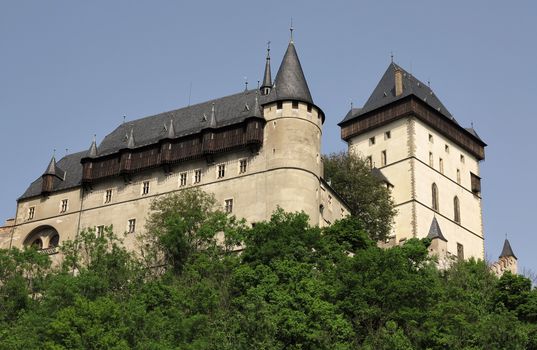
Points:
(398, 82)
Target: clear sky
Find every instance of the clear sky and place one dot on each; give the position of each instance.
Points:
(71, 69)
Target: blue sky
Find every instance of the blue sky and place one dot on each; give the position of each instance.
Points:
(70, 69)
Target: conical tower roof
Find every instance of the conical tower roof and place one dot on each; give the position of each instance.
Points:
(507, 251)
(435, 231)
(92, 152)
(290, 82)
(267, 78)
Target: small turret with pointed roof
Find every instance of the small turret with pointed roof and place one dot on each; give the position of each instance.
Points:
(92, 152)
(52, 172)
(290, 82)
(51, 168)
(435, 231)
(267, 78)
(507, 251)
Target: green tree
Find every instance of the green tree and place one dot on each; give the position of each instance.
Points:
(368, 198)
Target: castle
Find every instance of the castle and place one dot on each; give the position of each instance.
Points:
(260, 149)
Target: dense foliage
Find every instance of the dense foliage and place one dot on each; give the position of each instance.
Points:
(293, 286)
(368, 198)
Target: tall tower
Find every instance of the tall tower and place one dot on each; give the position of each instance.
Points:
(433, 163)
(292, 140)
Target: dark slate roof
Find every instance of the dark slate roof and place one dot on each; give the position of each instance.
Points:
(190, 120)
(435, 231)
(290, 82)
(267, 77)
(377, 173)
(70, 164)
(384, 94)
(507, 251)
(474, 133)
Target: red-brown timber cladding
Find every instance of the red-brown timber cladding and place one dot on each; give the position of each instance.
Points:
(412, 106)
(166, 151)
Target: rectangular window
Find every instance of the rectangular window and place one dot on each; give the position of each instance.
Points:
(228, 205)
(242, 166)
(31, 213)
(295, 104)
(460, 251)
(108, 196)
(63, 208)
(132, 226)
(182, 179)
(431, 160)
(371, 141)
(221, 171)
(309, 108)
(458, 176)
(476, 183)
(279, 105)
(145, 188)
(387, 135)
(384, 159)
(100, 230)
(197, 176)
(441, 165)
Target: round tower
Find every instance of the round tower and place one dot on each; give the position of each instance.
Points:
(292, 141)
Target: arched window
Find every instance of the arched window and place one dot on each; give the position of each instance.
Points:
(434, 192)
(456, 210)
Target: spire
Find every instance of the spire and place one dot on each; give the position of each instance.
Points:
(171, 130)
(507, 251)
(267, 78)
(92, 152)
(290, 83)
(435, 231)
(212, 121)
(51, 168)
(130, 141)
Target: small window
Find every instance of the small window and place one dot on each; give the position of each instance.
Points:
(197, 176)
(295, 104)
(431, 160)
(387, 135)
(462, 158)
(309, 108)
(221, 170)
(371, 141)
(108, 196)
(476, 183)
(441, 165)
(460, 251)
(456, 210)
(369, 161)
(458, 176)
(31, 213)
(279, 105)
(182, 179)
(131, 226)
(384, 158)
(446, 148)
(431, 139)
(434, 192)
(64, 204)
(228, 206)
(242, 166)
(100, 230)
(145, 188)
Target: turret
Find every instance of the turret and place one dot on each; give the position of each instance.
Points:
(267, 78)
(52, 172)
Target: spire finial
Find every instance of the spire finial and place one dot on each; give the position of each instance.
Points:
(54, 153)
(124, 117)
(391, 55)
(245, 83)
(94, 137)
(268, 49)
(352, 105)
(291, 30)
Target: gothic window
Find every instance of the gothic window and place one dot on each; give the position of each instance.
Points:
(458, 176)
(221, 170)
(434, 191)
(145, 188)
(131, 226)
(431, 160)
(456, 210)
(228, 205)
(384, 158)
(197, 176)
(441, 165)
(182, 179)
